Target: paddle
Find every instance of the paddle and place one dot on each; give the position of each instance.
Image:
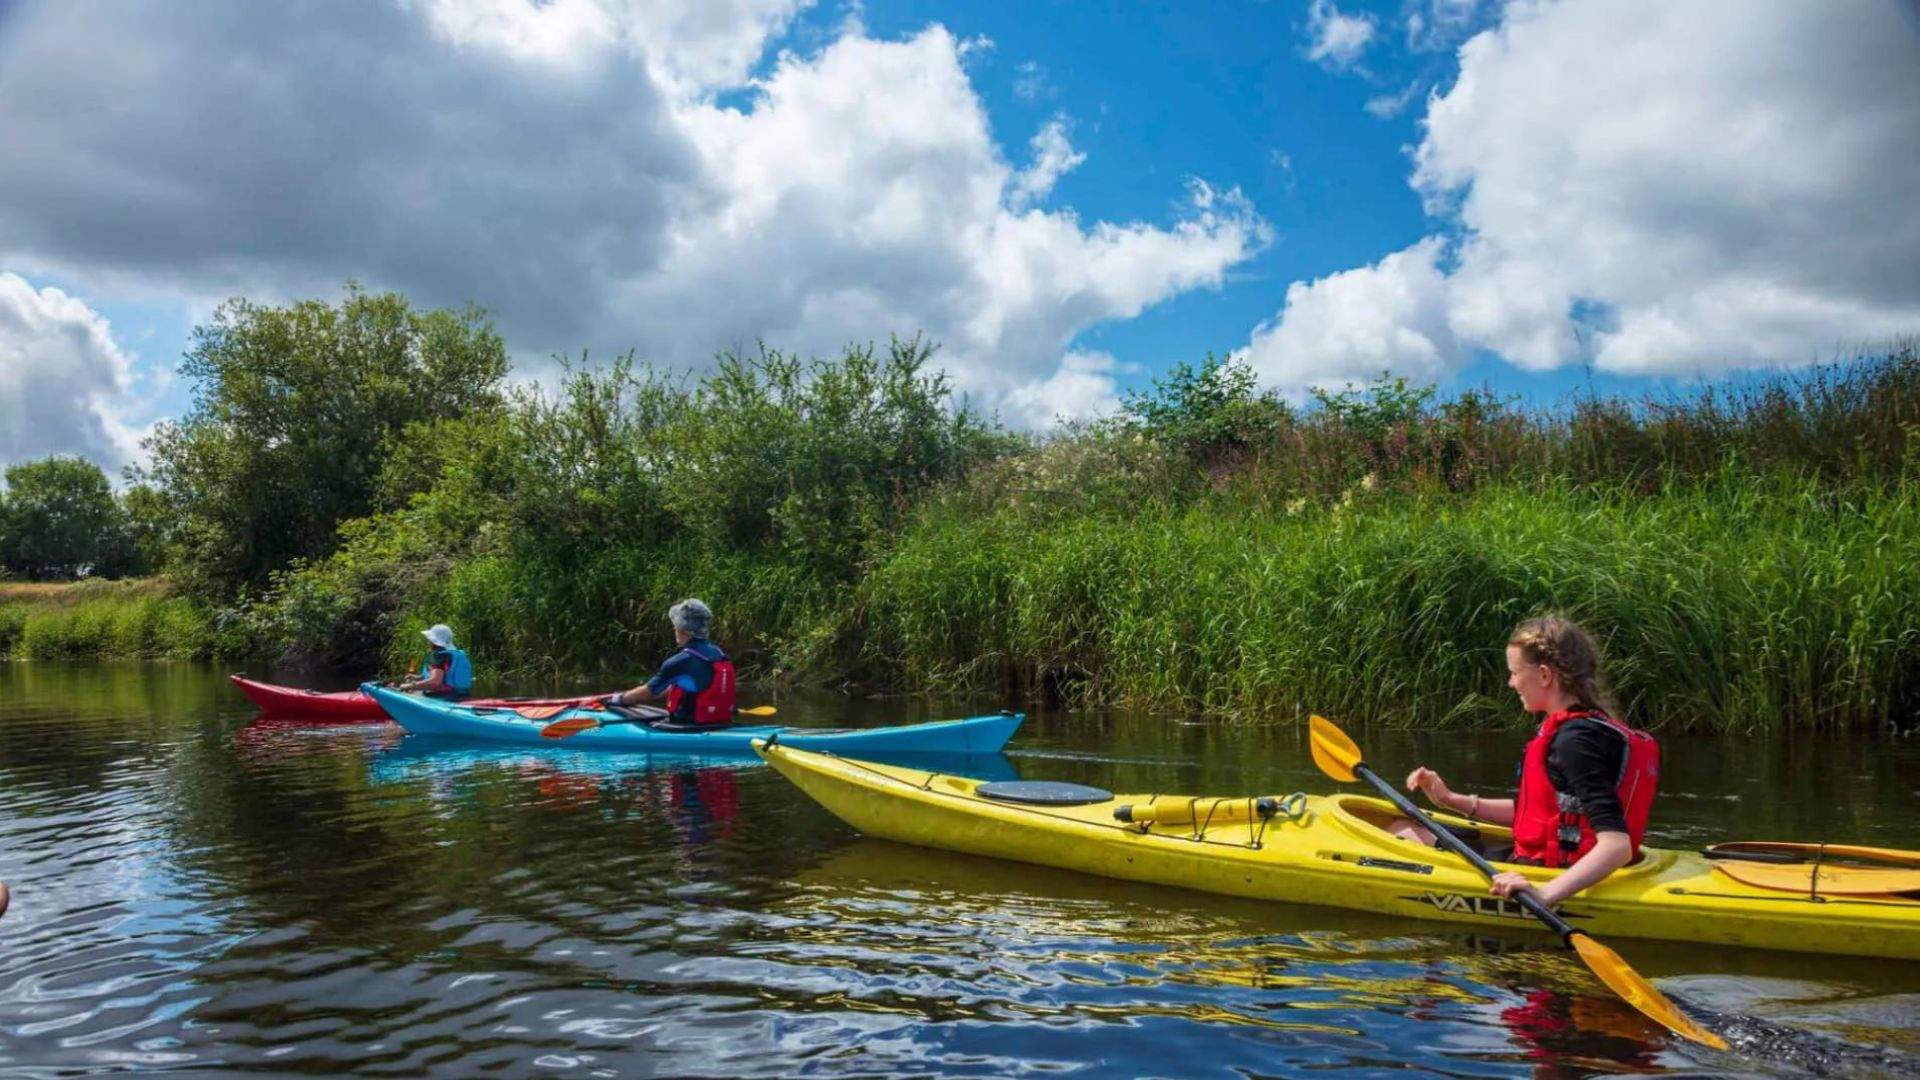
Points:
(1339, 757)
(563, 728)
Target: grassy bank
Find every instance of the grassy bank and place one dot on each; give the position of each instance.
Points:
(1737, 604)
(101, 619)
(1746, 554)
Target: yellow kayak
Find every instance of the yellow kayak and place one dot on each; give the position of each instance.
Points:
(1332, 851)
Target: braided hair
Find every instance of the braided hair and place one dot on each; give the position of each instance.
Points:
(1560, 644)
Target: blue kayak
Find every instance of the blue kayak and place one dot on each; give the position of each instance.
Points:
(426, 757)
(447, 719)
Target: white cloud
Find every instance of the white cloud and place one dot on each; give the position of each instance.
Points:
(1338, 40)
(844, 214)
(61, 378)
(1350, 326)
(1053, 157)
(571, 167)
(690, 45)
(1081, 388)
(1704, 186)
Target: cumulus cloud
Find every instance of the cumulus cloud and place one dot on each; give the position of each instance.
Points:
(1083, 387)
(61, 377)
(1651, 187)
(585, 169)
(1337, 40)
(839, 213)
(690, 45)
(1350, 326)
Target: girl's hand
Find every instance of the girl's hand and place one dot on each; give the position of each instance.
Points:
(1425, 779)
(1508, 882)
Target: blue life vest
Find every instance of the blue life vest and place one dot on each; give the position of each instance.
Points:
(459, 670)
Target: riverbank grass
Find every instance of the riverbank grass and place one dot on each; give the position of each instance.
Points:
(134, 618)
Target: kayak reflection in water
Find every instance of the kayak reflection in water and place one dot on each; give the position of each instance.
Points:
(1586, 782)
(447, 673)
(696, 682)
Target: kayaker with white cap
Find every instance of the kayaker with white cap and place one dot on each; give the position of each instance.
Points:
(447, 672)
(696, 682)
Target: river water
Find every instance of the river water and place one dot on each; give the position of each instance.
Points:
(197, 892)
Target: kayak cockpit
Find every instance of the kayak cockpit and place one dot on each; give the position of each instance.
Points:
(1367, 819)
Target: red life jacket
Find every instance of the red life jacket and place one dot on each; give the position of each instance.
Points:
(1549, 827)
(714, 705)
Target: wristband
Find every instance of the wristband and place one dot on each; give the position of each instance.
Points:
(1473, 809)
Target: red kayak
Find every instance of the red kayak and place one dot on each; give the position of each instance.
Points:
(348, 706)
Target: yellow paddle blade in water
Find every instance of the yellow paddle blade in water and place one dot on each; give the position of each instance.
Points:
(1332, 750)
(757, 710)
(1636, 991)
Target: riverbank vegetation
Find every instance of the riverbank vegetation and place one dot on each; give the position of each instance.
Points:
(131, 618)
(1745, 551)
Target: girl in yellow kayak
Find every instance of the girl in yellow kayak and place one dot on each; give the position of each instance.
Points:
(1586, 782)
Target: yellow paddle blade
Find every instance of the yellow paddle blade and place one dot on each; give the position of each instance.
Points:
(1636, 991)
(1332, 750)
(1833, 880)
(564, 728)
(758, 710)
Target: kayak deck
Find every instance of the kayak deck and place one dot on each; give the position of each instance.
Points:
(1336, 853)
(425, 716)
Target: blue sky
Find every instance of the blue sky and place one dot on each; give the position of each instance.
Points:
(1535, 197)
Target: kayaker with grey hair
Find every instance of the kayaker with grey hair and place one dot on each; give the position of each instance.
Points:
(696, 683)
(447, 672)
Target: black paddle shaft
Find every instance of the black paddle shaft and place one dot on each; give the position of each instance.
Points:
(1460, 847)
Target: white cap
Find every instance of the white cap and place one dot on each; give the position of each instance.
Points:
(440, 634)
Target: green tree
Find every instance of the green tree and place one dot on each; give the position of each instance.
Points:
(59, 519)
(150, 529)
(1209, 412)
(296, 410)
(821, 458)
